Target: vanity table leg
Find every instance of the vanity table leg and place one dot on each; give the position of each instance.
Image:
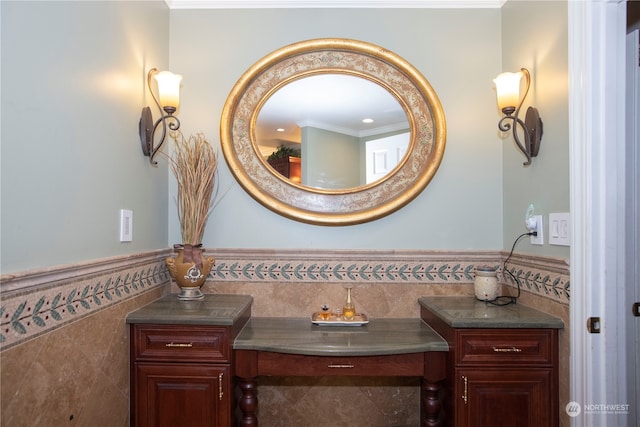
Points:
(432, 404)
(432, 389)
(246, 366)
(249, 401)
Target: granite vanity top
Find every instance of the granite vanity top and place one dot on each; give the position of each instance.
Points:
(300, 336)
(213, 309)
(468, 312)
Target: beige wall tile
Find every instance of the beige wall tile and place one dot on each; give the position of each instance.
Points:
(75, 375)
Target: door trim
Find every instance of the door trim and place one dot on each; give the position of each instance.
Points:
(596, 113)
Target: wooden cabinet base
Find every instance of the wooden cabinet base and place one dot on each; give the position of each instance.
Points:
(170, 395)
(495, 397)
(180, 376)
(500, 377)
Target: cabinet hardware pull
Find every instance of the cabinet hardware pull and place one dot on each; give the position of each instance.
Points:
(507, 350)
(173, 344)
(220, 392)
(344, 365)
(464, 395)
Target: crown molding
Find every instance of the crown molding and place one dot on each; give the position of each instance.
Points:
(373, 4)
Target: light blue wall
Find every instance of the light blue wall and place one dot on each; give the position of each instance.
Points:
(543, 50)
(73, 84)
(457, 50)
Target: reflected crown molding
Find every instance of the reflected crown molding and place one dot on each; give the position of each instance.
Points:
(372, 4)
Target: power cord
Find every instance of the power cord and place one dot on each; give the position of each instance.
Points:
(508, 299)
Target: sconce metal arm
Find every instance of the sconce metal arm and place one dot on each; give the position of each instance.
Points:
(504, 125)
(168, 121)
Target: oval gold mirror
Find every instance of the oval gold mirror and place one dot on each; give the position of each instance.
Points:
(359, 179)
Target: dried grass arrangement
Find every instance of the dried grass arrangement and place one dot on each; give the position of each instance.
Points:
(194, 163)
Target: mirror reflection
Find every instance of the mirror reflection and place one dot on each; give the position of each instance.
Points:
(332, 131)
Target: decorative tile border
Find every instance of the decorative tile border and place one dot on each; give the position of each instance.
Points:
(548, 277)
(349, 266)
(35, 303)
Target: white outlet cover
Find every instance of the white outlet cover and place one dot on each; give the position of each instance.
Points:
(539, 239)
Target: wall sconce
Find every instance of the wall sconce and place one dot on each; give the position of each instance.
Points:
(169, 94)
(509, 101)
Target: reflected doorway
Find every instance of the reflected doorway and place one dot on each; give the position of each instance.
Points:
(384, 154)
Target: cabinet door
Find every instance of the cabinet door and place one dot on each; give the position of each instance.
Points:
(503, 397)
(170, 395)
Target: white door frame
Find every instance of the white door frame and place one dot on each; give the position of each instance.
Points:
(633, 221)
(596, 113)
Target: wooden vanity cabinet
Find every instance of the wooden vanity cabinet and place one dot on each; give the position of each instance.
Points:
(500, 377)
(180, 376)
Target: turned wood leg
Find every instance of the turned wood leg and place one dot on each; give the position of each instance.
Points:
(435, 373)
(431, 404)
(249, 401)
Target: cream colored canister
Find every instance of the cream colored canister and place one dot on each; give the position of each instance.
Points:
(486, 284)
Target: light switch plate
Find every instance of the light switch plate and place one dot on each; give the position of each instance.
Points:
(126, 225)
(560, 229)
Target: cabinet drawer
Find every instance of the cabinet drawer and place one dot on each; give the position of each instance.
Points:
(506, 347)
(411, 364)
(181, 343)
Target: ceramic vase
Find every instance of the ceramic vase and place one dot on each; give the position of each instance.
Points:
(190, 270)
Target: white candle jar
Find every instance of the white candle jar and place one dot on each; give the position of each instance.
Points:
(486, 284)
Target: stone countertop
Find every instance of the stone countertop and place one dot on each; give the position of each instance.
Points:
(468, 312)
(300, 336)
(213, 309)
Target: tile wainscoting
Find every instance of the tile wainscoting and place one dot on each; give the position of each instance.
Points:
(35, 302)
(65, 358)
(65, 345)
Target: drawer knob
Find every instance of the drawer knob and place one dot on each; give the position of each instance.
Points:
(178, 345)
(507, 350)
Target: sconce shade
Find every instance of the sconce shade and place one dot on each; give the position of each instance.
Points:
(168, 88)
(508, 89)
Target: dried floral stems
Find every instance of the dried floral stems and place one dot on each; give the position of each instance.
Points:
(194, 164)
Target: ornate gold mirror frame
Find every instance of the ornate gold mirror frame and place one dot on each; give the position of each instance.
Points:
(345, 206)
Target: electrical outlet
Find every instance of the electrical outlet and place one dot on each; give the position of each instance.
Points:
(126, 225)
(538, 239)
(533, 223)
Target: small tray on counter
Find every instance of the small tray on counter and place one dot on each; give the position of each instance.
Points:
(337, 320)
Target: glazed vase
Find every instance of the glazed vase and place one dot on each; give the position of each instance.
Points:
(190, 270)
